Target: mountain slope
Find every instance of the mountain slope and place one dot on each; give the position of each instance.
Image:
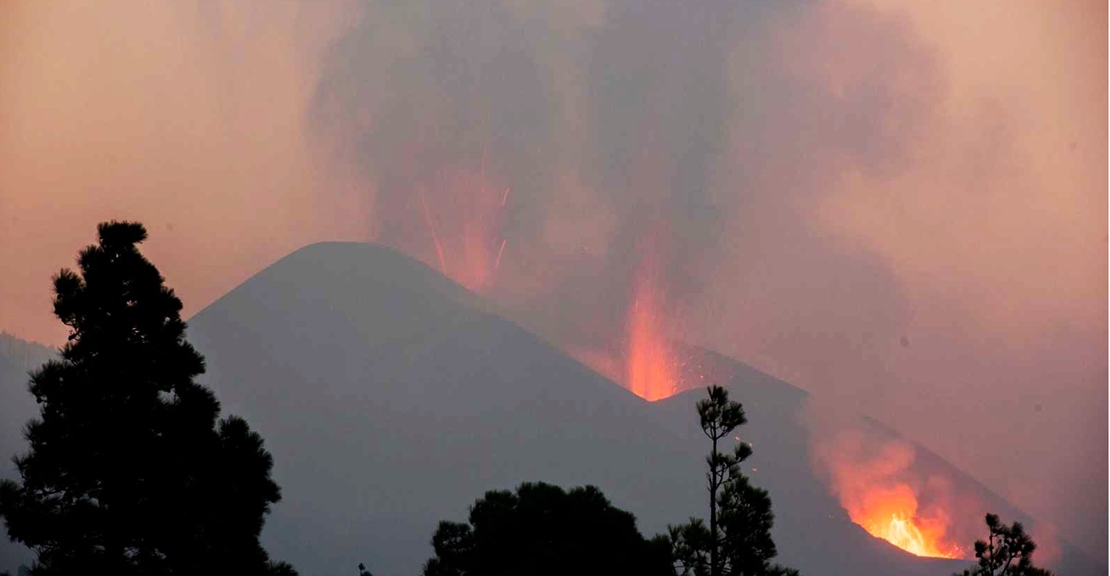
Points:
(389, 405)
(809, 524)
(17, 358)
(390, 402)
(812, 532)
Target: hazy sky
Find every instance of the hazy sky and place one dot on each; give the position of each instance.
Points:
(898, 205)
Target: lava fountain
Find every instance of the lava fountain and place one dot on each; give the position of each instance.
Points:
(646, 362)
(462, 210)
(882, 494)
(651, 371)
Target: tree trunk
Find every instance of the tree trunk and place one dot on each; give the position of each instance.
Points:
(714, 565)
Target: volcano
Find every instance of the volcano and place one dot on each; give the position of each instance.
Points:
(391, 398)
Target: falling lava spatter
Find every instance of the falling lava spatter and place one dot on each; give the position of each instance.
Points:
(463, 213)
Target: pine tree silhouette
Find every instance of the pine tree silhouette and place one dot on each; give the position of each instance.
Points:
(737, 541)
(1008, 551)
(129, 470)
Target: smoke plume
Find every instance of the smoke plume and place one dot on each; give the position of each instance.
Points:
(899, 206)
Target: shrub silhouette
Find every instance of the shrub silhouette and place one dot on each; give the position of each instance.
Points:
(542, 530)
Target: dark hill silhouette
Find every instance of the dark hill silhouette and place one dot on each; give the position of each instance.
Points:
(390, 404)
(390, 399)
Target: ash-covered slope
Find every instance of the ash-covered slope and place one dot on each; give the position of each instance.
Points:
(812, 530)
(390, 404)
(17, 358)
(390, 401)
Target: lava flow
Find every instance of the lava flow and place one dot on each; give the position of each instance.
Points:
(891, 514)
(881, 492)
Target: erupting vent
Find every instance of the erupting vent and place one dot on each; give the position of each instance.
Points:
(878, 485)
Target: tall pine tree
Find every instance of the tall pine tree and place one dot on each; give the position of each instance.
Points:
(129, 471)
(737, 541)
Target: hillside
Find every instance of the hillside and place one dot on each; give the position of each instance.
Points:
(391, 399)
(389, 405)
(17, 358)
(390, 402)
(808, 522)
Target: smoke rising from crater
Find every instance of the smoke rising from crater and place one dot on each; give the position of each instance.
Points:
(899, 206)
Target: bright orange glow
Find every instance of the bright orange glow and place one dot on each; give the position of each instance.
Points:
(651, 369)
(891, 514)
(646, 362)
(880, 489)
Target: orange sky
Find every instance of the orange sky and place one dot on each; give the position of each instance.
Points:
(975, 212)
(90, 126)
(149, 111)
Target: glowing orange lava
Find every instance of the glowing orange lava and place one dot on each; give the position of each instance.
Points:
(882, 492)
(651, 370)
(891, 514)
(647, 362)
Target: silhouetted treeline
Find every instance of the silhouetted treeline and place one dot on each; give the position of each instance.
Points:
(540, 529)
(543, 530)
(130, 470)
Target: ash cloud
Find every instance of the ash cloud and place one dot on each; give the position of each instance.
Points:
(805, 185)
(808, 183)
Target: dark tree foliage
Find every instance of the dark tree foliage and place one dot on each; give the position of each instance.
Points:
(542, 530)
(1008, 551)
(737, 541)
(129, 471)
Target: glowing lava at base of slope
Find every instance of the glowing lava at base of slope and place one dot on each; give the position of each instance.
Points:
(875, 482)
(891, 513)
(904, 532)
